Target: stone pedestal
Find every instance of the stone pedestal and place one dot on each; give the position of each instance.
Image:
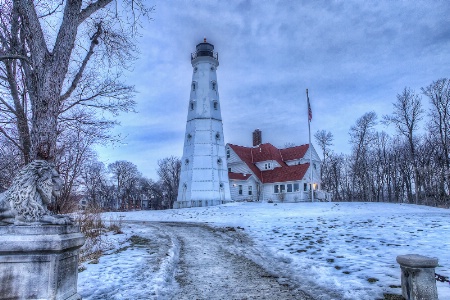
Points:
(39, 262)
(418, 280)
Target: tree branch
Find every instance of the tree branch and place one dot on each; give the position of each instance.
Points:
(15, 56)
(5, 134)
(76, 80)
(10, 108)
(34, 35)
(92, 8)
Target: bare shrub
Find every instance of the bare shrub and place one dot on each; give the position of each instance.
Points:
(115, 225)
(281, 196)
(92, 226)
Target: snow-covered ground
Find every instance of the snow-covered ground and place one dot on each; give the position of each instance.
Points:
(349, 249)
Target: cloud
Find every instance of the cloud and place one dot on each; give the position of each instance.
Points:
(353, 56)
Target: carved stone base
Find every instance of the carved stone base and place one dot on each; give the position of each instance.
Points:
(39, 262)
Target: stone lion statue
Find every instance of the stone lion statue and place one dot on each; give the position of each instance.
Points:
(25, 202)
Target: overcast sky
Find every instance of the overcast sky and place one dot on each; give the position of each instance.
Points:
(353, 56)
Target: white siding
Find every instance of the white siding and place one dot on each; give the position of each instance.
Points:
(234, 158)
(273, 164)
(234, 190)
(300, 196)
(239, 168)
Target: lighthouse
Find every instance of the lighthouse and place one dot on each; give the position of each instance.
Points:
(204, 172)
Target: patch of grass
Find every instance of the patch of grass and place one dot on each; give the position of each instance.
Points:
(392, 297)
(372, 280)
(139, 241)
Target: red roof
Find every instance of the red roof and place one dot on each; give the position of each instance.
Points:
(238, 176)
(264, 152)
(285, 173)
(292, 153)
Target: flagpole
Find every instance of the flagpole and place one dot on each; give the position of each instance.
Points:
(310, 149)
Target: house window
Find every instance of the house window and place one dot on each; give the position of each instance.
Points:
(229, 170)
(240, 189)
(249, 190)
(296, 187)
(228, 153)
(289, 187)
(267, 166)
(282, 188)
(305, 186)
(314, 166)
(276, 188)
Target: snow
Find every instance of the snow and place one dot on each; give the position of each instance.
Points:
(346, 249)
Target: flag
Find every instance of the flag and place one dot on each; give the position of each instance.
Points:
(309, 108)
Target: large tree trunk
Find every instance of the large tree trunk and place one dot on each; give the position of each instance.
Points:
(46, 74)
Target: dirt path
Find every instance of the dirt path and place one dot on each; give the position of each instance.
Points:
(207, 270)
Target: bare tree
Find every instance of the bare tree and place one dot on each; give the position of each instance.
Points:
(48, 67)
(439, 125)
(361, 136)
(325, 140)
(406, 117)
(126, 175)
(169, 169)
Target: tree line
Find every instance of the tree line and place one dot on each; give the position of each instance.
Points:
(88, 181)
(412, 165)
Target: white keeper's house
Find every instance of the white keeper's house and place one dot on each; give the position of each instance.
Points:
(266, 173)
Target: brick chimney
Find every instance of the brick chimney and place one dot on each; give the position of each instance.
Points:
(257, 137)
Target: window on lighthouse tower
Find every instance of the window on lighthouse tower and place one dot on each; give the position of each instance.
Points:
(215, 105)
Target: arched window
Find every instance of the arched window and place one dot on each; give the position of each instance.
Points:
(191, 105)
(213, 85)
(186, 161)
(215, 105)
(193, 86)
(219, 161)
(217, 135)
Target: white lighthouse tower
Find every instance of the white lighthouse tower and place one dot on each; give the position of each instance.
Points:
(204, 172)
